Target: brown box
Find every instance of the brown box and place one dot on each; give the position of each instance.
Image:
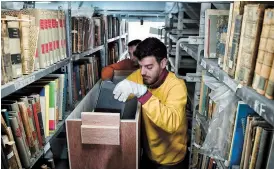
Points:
(102, 140)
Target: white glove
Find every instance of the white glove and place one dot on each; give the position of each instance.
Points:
(123, 89)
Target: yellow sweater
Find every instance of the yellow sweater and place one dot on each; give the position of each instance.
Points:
(164, 119)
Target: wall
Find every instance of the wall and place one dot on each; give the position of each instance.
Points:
(138, 31)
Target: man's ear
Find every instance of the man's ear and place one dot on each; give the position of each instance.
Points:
(163, 63)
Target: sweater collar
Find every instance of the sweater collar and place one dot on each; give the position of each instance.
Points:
(160, 81)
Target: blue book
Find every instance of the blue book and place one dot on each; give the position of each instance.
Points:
(243, 112)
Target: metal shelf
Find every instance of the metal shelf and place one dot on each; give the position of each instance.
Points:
(23, 81)
(78, 56)
(113, 39)
(124, 35)
(263, 106)
(192, 50)
(172, 62)
(123, 55)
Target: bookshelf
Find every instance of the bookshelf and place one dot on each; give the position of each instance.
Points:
(195, 46)
(66, 66)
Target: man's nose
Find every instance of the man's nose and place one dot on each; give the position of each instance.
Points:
(143, 72)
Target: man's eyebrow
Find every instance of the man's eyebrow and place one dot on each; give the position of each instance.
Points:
(148, 65)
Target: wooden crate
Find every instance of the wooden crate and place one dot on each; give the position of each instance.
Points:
(117, 141)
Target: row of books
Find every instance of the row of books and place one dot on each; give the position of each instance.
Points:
(113, 26)
(113, 52)
(86, 72)
(31, 39)
(87, 33)
(33, 114)
(243, 43)
(251, 138)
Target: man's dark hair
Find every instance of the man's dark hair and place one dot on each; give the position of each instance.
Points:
(151, 47)
(134, 42)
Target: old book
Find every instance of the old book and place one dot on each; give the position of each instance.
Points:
(24, 157)
(33, 46)
(8, 143)
(236, 8)
(211, 28)
(9, 152)
(265, 143)
(222, 24)
(255, 148)
(265, 55)
(14, 46)
(256, 121)
(6, 65)
(33, 106)
(12, 107)
(25, 47)
(4, 160)
(60, 33)
(233, 49)
(249, 42)
(28, 129)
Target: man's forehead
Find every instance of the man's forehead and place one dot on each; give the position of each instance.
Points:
(149, 60)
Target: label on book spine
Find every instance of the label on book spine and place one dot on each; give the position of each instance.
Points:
(16, 59)
(13, 33)
(270, 89)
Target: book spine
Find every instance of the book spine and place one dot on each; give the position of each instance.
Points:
(267, 52)
(29, 105)
(251, 30)
(262, 149)
(8, 151)
(255, 149)
(36, 122)
(25, 119)
(20, 142)
(52, 104)
(14, 45)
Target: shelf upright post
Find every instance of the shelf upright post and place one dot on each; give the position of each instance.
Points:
(105, 62)
(69, 66)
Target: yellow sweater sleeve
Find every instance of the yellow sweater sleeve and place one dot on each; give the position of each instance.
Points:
(170, 115)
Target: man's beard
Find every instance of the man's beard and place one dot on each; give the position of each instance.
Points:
(146, 82)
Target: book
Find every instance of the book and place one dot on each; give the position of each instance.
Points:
(23, 153)
(211, 27)
(265, 55)
(14, 46)
(243, 111)
(249, 42)
(6, 65)
(13, 110)
(264, 146)
(236, 8)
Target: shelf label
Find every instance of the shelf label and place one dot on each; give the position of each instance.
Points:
(259, 107)
(203, 63)
(24, 82)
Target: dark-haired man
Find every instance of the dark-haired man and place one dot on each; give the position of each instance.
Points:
(163, 97)
(126, 64)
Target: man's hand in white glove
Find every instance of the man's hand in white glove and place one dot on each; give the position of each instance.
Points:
(126, 87)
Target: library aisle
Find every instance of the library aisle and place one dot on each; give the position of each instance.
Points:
(58, 111)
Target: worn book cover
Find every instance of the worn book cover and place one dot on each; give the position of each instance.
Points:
(249, 42)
